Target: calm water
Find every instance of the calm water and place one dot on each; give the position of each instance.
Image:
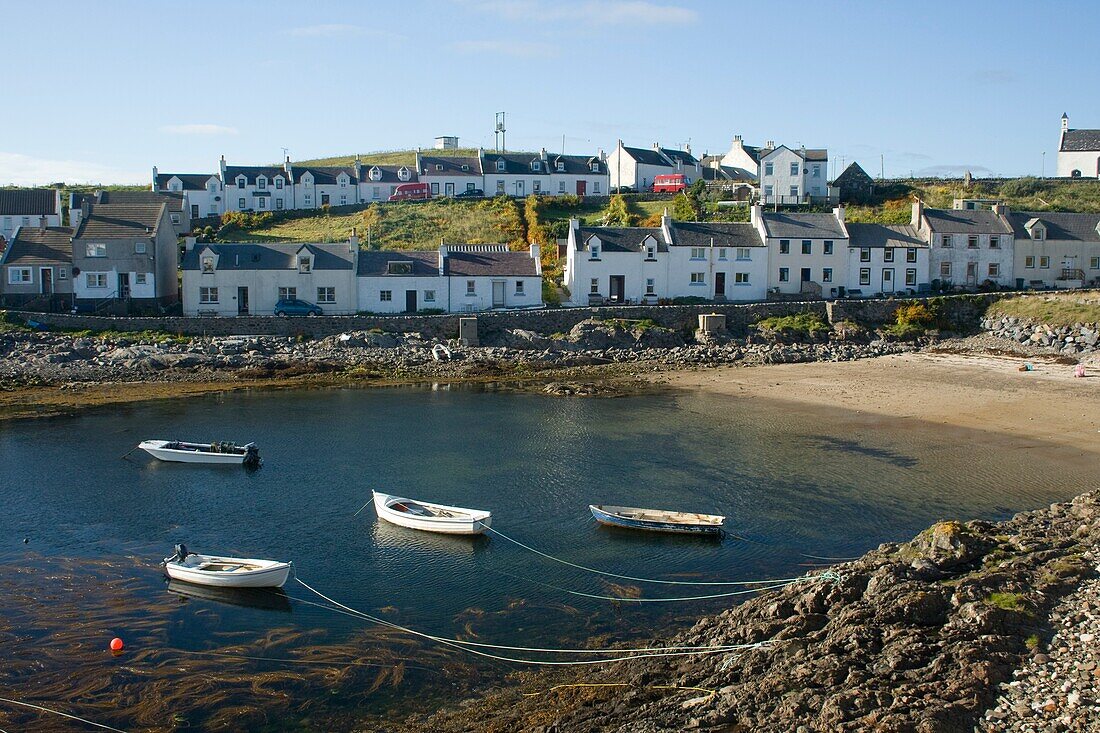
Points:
(822, 483)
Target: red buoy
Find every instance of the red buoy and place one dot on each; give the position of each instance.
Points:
(116, 644)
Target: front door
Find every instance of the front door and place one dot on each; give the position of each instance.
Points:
(124, 285)
(324, 199)
(498, 293)
(888, 280)
(47, 280)
(617, 289)
(719, 285)
(194, 211)
(449, 189)
(582, 187)
(242, 301)
(519, 188)
(410, 301)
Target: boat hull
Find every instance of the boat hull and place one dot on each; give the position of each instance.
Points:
(158, 449)
(476, 523)
(617, 520)
(270, 575)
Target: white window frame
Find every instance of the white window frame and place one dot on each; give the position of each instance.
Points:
(25, 274)
(326, 294)
(429, 296)
(910, 277)
(1029, 262)
(698, 253)
(698, 278)
(865, 276)
(519, 288)
(784, 274)
(1044, 262)
(826, 274)
(945, 270)
(141, 278)
(96, 250)
(471, 288)
(650, 286)
(288, 293)
(994, 269)
(594, 286)
(95, 280)
(888, 254)
(741, 278)
(208, 295)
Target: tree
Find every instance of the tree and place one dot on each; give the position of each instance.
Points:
(617, 213)
(682, 208)
(538, 233)
(510, 222)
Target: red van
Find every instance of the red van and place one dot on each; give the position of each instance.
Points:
(411, 192)
(671, 183)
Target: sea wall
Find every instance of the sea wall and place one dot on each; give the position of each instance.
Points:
(1076, 339)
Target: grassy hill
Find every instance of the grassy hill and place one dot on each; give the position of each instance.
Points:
(395, 157)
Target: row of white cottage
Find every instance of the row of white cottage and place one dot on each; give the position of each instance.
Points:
(822, 255)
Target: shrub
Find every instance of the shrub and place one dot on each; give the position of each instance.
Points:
(800, 323)
(430, 312)
(550, 295)
(915, 314)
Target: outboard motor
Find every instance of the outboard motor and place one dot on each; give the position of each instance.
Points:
(181, 552)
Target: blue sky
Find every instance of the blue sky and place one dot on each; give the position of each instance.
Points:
(100, 92)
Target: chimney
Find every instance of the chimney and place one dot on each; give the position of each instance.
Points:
(770, 145)
(755, 213)
(443, 252)
(534, 251)
(353, 240)
(85, 207)
(1000, 209)
(1065, 122)
(188, 243)
(666, 220)
(737, 141)
(154, 188)
(918, 214)
(687, 148)
(656, 146)
(838, 212)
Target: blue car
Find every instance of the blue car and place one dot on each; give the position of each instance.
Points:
(288, 307)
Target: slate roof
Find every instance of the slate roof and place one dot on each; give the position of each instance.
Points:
(515, 163)
(176, 201)
(646, 156)
(28, 201)
(966, 221)
(374, 263)
(389, 174)
(575, 164)
(483, 264)
(274, 256)
(802, 226)
(723, 234)
(190, 181)
(813, 154)
(1059, 225)
(881, 235)
(35, 246)
(854, 177)
(251, 172)
(107, 221)
(1080, 141)
(324, 175)
(621, 239)
(451, 166)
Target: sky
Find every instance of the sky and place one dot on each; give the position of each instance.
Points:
(101, 92)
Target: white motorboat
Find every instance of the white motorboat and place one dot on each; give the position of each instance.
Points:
(430, 517)
(225, 572)
(218, 453)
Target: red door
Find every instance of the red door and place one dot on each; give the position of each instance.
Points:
(581, 187)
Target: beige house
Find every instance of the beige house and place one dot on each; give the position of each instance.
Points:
(36, 268)
(1056, 249)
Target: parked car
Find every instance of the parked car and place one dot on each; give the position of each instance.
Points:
(622, 189)
(671, 183)
(411, 192)
(295, 307)
(470, 193)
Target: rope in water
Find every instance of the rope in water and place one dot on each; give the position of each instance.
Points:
(672, 599)
(63, 715)
(467, 646)
(503, 536)
(801, 554)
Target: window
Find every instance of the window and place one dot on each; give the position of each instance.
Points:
(817, 170)
(650, 286)
(500, 186)
(279, 204)
(17, 275)
(888, 254)
(469, 187)
(994, 269)
(519, 287)
(744, 253)
(972, 241)
(864, 254)
(95, 279)
(911, 254)
(1094, 264)
(698, 253)
(794, 169)
(740, 278)
(429, 296)
(435, 189)
(768, 191)
(865, 276)
(828, 244)
(376, 192)
(697, 278)
(807, 246)
(309, 199)
(784, 275)
(536, 165)
(971, 270)
(1029, 262)
(279, 184)
(262, 202)
(212, 187)
(794, 191)
(561, 186)
(594, 251)
(826, 274)
(910, 276)
(805, 274)
(343, 199)
(1044, 262)
(141, 278)
(62, 273)
(343, 183)
(722, 253)
(241, 181)
(994, 241)
(651, 251)
(1038, 233)
(595, 187)
(594, 287)
(945, 240)
(945, 269)
(241, 204)
(175, 218)
(500, 166)
(96, 250)
(288, 293)
(784, 246)
(769, 169)
(536, 186)
(326, 295)
(208, 295)
(261, 184)
(305, 265)
(208, 264)
(385, 295)
(471, 287)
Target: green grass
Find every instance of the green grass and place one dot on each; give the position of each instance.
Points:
(1056, 309)
(393, 157)
(1006, 601)
(800, 323)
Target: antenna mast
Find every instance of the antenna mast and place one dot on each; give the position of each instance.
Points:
(499, 132)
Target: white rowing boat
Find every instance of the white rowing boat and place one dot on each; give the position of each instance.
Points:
(430, 517)
(657, 520)
(219, 453)
(225, 572)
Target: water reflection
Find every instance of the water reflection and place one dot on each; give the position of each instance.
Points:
(267, 599)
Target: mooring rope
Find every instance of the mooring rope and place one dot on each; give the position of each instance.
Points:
(671, 599)
(466, 646)
(640, 580)
(63, 715)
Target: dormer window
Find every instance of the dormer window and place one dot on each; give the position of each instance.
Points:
(1039, 233)
(261, 183)
(241, 181)
(279, 183)
(536, 165)
(208, 265)
(212, 187)
(465, 167)
(305, 264)
(375, 174)
(560, 167)
(650, 249)
(500, 166)
(343, 181)
(403, 173)
(594, 251)
(439, 166)
(175, 186)
(595, 167)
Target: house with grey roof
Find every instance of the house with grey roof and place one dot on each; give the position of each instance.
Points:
(543, 173)
(1078, 152)
(124, 256)
(1055, 249)
(637, 167)
(203, 192)
(450, 175)
(785, 175)
(28, 207)
(258, 188)
(967, 247)
(316, 187)
(885, 259)
(716, 261)
(854, 185)
(36, 268)
(178, 209)
(807, 252)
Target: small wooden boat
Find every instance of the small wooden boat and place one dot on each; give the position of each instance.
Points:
(657, 520)
(430, 517)
(225, 572)
(219, 453)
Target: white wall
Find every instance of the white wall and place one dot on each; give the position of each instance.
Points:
(1087, 162)
(817, 261)
(959, 256)
(482, 299)
(370, 288)
(899, 269)
(263, 289)
(8, 224)
(1080, 255)
(137, 290)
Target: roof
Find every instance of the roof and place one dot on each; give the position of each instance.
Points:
(621, 239)
(35, 246)
(176, 201)
(274, 256)
(647, 156)
(966, 221)
(1059, 225)
(517, 163)
(324, 175)
(1080, 140)
(881, 235)
(479, 264)
(251, 172)
(800, 226)
(190, 181)
(106, 221)
(686, 157)
(813, 154)
(451, 166)
(375, 263)
(389, 174)
(27, 201)
(722, 234)
(853, 175)
(575, 164)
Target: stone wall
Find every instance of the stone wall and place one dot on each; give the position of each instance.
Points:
(1076, 339)
(962, 312)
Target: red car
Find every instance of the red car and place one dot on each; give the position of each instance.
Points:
(671, 183)
(411, 192)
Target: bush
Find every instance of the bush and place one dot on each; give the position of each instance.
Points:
(915, 314)
(1022, 187)
(550, 295)
(801, 323)
(430, 312)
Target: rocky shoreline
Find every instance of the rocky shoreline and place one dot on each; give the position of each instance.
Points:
(952, 630)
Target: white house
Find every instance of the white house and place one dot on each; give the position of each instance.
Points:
(1078, 152)
(246, 278)
(886, 259)
(319, 186)
(515, 174)
(178, 209)
(807, 253)
(28, 207)
(713, 261)
(203, 191)
(637, 167)
(1055, 250)
(446, 175)
(967, 247)
(259, 188)
(785, 175)
(379, 182)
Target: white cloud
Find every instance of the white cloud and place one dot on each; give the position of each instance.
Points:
(23, 170)
(199, 129)
(609, 13)
(508, 48)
